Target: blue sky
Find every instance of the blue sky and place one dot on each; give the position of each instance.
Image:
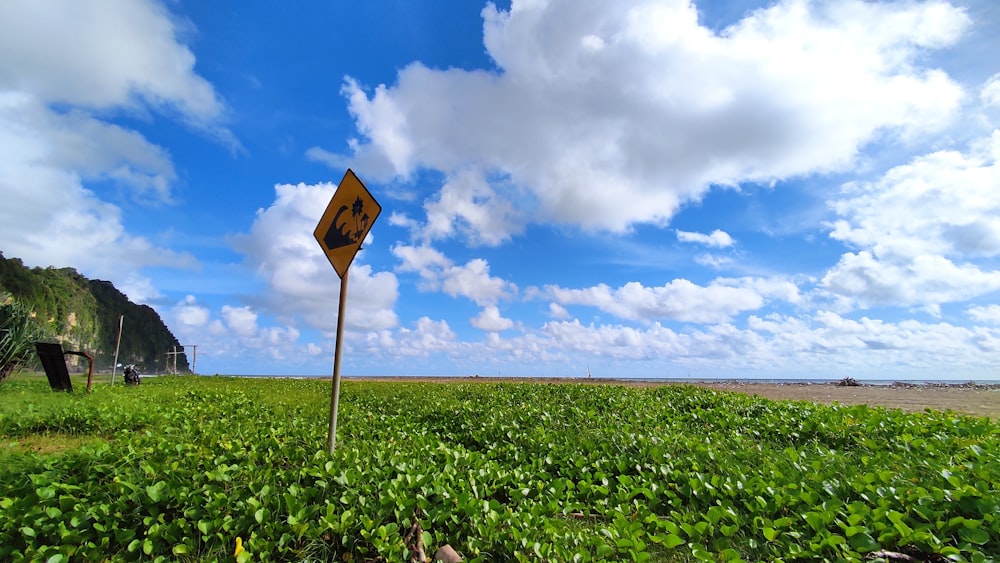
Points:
(637, 188)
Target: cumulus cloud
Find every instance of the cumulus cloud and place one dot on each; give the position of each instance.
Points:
(985, 314)
(237, 335)
(823, 344)
(607, 115)
(558, 312)
(189, 313)
(713, 261)
(467, 204)
(240, 320)
(921, 228)
(427, 337)
(905, 345)
(121, 53)
(63, 68)
(438, 273)
(490, 320)
(716, 238)
(679, 300)
(990, 93)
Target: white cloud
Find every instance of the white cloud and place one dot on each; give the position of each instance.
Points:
(240, 320)
(422, 259)
(119, 53)
(605, 115)
(716, 238)
(898, 348)
(237, 337)
(467, 204)
(867, 281)
(50, 218)
(679, 300)
(618, 342)
(943, 203)
(713, 261)
(426, 338)
(437, 273)
(985, 314)
(922, 227)
(188, 313)
(489, 319)
(990, 93)
(822, 344)
(473, 280)
(558, 312)
(397, 219)
(64, 68)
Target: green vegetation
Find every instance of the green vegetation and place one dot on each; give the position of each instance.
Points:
(18, 333)
(179, 468)
(83, 315)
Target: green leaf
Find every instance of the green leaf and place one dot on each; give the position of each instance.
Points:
(835, 540)
(604, 550)
(976, 536)
(155, 491)
(863, 542)
(671, 541)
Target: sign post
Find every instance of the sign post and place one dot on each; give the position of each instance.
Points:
(345, 223)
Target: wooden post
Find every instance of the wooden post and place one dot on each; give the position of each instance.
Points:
(335, 395)
(114, 367)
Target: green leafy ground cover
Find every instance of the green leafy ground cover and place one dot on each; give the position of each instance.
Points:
(178, 468)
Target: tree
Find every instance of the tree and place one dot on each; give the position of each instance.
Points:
(18, 334)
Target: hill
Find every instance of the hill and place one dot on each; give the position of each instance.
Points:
(83, 314)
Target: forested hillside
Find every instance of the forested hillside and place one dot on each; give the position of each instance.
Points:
(83, 314)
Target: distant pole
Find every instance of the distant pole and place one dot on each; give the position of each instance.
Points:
(121, 321)
(335, 396)
(193, 368)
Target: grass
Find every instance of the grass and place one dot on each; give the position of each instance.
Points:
(179, 467)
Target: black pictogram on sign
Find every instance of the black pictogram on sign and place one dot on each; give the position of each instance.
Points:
(341, 233)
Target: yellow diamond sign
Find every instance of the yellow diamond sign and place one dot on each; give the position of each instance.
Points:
(345, 223)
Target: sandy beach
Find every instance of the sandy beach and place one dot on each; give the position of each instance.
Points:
(965, 398)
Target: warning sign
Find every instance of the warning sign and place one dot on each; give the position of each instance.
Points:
(345, 223)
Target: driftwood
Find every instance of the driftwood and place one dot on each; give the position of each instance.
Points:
(890, 555)
(414, 540)
(917, 556)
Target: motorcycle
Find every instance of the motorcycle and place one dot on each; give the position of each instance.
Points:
(132, 375)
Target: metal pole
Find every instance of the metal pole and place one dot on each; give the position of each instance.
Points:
(121, 321)
(335, 396)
